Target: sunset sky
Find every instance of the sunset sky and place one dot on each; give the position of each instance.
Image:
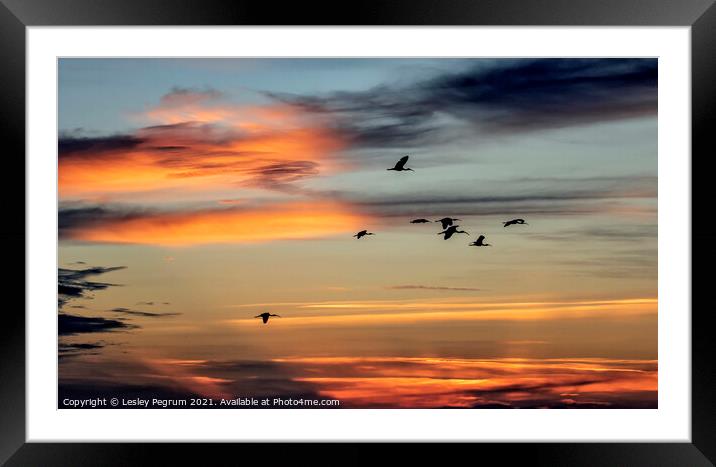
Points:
(195, 194)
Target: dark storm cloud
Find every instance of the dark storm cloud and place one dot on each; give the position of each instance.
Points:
(511, 96)
(149, 314)
(72, 324)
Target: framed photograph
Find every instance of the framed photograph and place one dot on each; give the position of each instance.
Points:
(421, 222)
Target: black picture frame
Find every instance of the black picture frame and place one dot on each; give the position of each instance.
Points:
(17, 15)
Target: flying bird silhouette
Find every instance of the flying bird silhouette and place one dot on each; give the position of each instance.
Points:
(265, 316)
(400, 165)
(362, 233)
(515, 221)
(447, 221)
(450, 231)
(480, 241)
(419, 221)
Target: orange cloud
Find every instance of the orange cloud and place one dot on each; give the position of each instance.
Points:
(389, 312)
(251, 118)
(161, 162)
(183, 374)
(291, 220)
(198, 142)
(510, 382)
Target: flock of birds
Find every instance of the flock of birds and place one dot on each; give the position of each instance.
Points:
(448, 225)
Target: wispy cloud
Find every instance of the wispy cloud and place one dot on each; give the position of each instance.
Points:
(129, 311)
(428, 287)
(66, 350)
(180, 97)
(237, 224)
(281, 176)
(72, 324)
(615, 233)
(617, 195)
(510, 96)
(383, 312)
(73, 283)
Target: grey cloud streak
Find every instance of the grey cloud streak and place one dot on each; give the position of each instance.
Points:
(512, 96)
